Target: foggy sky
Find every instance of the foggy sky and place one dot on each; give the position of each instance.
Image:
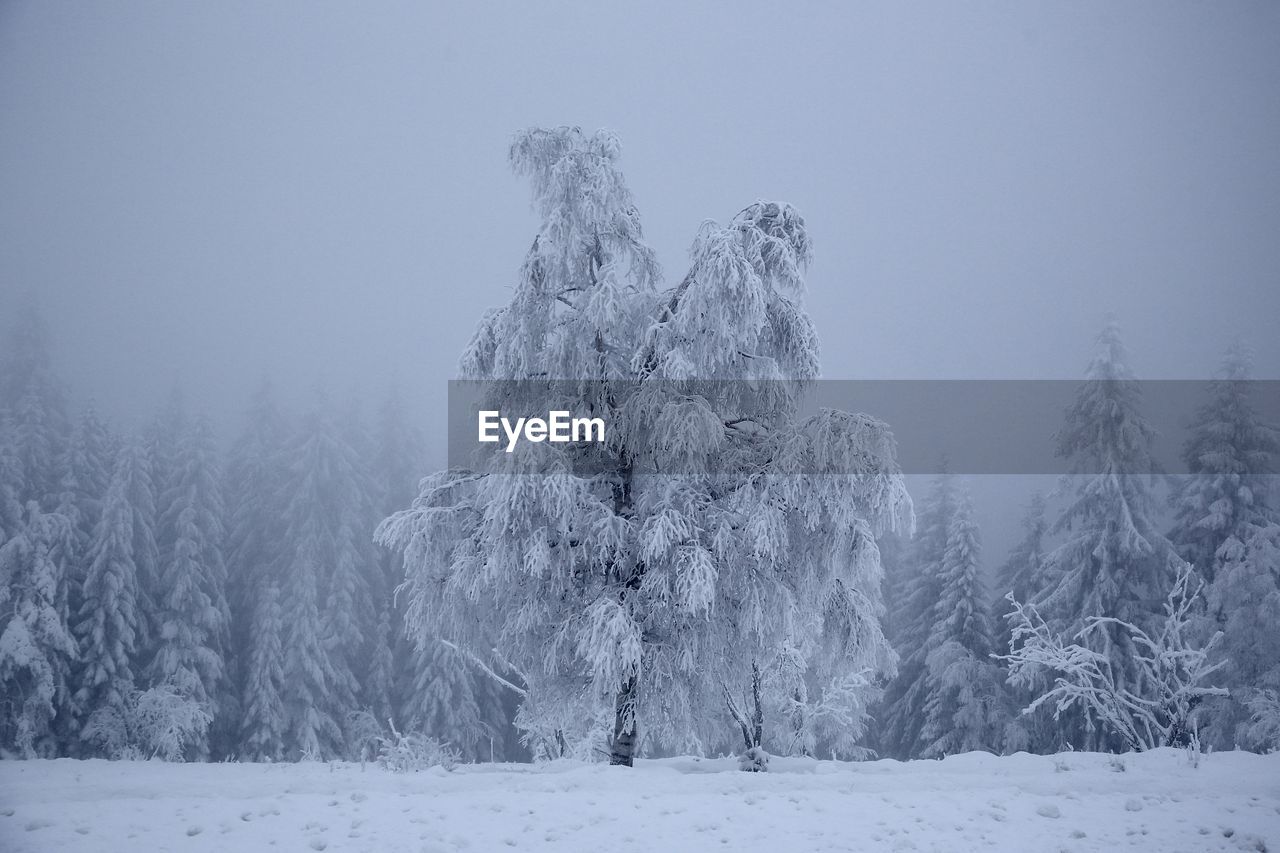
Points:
(202, 194)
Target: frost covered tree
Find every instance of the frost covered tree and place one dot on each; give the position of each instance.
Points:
(964, 708)
(542, 549)
(449, 700)
(1114, 564)
(1228, 526)
(396, 466)
(86, 469)
(916, 593)
(109, 625)
(633, 587)
(1023, 573)
(357, 620)
(255, 473)
(325, 603)
(37, 649)
(33, 401)
(774, 525)
(1230, 457)
(1023, 576)
(36, 545)
(191, 619)
(1146, 711)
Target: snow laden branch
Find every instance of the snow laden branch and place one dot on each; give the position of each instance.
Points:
(1151, 711)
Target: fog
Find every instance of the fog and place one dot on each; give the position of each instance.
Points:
(201, 195)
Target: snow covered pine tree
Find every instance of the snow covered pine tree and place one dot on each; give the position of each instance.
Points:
(630, 603)
(1228, 526)
(1114, 563)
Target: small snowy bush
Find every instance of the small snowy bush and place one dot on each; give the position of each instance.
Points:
(364, 736)
(1153, 711)
(754, 760)
(1263, 730)
(412, 752)
(161, 722)
(167, 721)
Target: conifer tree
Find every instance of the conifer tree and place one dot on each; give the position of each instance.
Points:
(903, 707)
(109, 619)
(1230, 457)
(326, 601)
(1228, 526)
(1114, 563)
(191, 624)
(33, 399)
(1024, 575)
(447, 700)
(255, 550)
(965, 704)
(37, 649)
(396, 668)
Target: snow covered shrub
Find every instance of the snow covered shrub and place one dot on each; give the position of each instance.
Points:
(163, 722)
(166, 721)
(754, 760)
(1263, 730)
(1153, 710)
(559, 724)
(364, 735)
(108, 731)
(412, 752)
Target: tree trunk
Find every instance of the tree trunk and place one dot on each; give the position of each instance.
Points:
(622, 748)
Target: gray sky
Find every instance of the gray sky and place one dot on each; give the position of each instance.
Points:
(201, 193)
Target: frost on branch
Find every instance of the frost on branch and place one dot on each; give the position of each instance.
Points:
(1152, 711)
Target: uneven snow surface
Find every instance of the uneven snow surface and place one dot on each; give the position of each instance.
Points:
(1072, 802)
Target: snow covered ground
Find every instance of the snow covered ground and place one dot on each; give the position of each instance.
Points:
(976, 801)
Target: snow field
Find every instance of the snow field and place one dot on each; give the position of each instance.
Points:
(975, 801)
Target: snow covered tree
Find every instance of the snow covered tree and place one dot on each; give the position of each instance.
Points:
(1023, 575)
(636, 585)
(916, 593)
(326, 601)
(1230, 457)
(964, 708)
(10, 473)
(546, 552)
(255, 473)
(191, 615)
(1114, 564)
(86, 471)
(1245, 596)
(263, 699)
(358, 618)
(85, 467)
(784, 511)
(37, 649)
(109, 624)
(1228, 526)
(1150, 710)
(396, 467)
(33, 400)
(450, 701)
